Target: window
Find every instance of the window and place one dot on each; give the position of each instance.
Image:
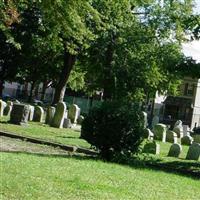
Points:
(189, 89)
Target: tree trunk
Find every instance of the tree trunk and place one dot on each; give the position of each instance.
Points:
(109, 82)
(108, 79)
(69, 61)
(31, 92)
(1, 88)
(44, 87)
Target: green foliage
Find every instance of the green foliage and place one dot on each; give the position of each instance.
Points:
(114, 128)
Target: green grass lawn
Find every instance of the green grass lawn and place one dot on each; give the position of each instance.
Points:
(43, 131)
(26, 176)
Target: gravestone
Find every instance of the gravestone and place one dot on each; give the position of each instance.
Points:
(50, 114)
(38, 114)
(186, 130)
(175, 150)
(2, 107)
(145, 119)
(196, 138)
(67, 123)
(186, 140)
(178, 128)
(148, 134)
(160, 132)
(155, 120)
(171, 136)
(19, 114)
(193, 152)
(31, 113)
(80, 120)
(73, 113)
(58, 118)
(151, 147)
(8, 108)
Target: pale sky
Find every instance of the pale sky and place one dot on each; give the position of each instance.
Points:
(192, 49)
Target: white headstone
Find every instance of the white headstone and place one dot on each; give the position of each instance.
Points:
(38, 114)
(31, 113)
(171, 136)
(58, 118)
(160, 132)
(73, 113)
(178, 128)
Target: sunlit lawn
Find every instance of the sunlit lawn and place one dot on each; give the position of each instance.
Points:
(25, 176)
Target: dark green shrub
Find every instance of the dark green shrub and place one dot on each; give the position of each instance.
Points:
(114, 128)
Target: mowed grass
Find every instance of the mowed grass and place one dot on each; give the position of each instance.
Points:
(43, 131)
(26, 176)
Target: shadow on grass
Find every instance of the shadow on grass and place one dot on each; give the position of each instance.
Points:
(187, 168)
(68, 137)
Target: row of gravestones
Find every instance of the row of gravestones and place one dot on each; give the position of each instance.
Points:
(175, 150)
(58, 116)
(161, 132)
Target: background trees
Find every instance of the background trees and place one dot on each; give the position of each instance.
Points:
(127, 49)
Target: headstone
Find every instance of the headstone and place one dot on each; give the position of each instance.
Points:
(155, 120)
(160, 132)
(145, 119)
(196, 138)
(186, 140)
(38, 114)
(8, 108)
(148, 134)
(19, 114)
(31, 113)
(58, 118)
(193, 152)
(73, 113)
(50, 114)
(80, 119)
(16, 101)
(151, 147)
(175, 150)
(67, 123)
(178, 128)
(171, 137)
(2, 107)
(186, 130)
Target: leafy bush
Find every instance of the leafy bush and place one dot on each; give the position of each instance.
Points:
(114, 128)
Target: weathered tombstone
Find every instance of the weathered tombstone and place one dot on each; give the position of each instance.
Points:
(38, 114)
(193, 152)
(31, 113)
(80, 119)
(186, 130)
(160, 132)
(186, 140)
(148, 134)
(73, 113)
(58, 118)
(151, 147)
(8, 108)
(67, 123)
(175, 150)
(16, 101)
(145, 119)
(196, 138)
(171, 136)
(155, 120)
(50, 114)
(178, 128)
(19, 114)
(2, 107)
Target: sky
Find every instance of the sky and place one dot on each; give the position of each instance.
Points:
(193, 48)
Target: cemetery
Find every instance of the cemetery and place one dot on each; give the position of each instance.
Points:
(99, 100)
